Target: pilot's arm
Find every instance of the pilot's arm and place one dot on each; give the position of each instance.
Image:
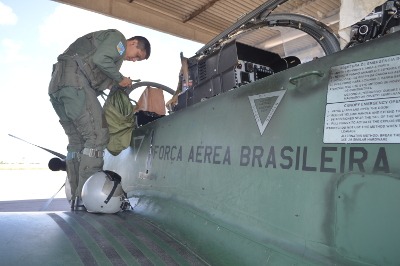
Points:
(109, 56)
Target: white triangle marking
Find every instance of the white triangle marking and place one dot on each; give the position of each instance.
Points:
(263, 125)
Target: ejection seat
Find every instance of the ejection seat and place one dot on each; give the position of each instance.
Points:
(151, 106)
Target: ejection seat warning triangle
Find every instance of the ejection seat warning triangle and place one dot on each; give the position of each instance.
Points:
(264, 106)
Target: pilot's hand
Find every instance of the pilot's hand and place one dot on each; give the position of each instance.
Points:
(125, 82)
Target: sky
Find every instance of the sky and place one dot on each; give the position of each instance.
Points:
(32, 35)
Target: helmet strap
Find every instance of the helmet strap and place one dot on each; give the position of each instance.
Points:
(116, 182)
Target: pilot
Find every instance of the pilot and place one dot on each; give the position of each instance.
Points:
(90, 65)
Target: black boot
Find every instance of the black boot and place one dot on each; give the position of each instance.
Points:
(78, 206)
(72, 202)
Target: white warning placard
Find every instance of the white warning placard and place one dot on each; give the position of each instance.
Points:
(363, 102)
(366, 80)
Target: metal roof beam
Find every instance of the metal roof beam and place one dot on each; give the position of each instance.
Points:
(199, 11)
(139, 14)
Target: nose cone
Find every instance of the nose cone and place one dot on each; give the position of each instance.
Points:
(56, 164)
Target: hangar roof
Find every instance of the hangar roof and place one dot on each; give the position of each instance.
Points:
(202, 20)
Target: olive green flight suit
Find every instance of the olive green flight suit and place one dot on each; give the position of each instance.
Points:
(90, 65)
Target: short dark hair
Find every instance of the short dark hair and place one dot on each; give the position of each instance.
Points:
(143, 44)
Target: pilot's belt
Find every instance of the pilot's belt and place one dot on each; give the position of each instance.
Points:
(93, 153)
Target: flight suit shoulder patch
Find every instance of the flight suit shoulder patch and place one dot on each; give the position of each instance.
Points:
(120, 48)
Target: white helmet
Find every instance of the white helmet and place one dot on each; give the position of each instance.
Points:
(103, 193)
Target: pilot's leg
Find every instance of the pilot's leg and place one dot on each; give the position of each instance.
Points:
(69, 103)
(75, 145)
(93, 128)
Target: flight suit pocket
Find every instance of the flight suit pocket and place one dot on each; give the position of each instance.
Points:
(84, 125)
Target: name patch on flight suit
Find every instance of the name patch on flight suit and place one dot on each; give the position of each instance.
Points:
(120, 48)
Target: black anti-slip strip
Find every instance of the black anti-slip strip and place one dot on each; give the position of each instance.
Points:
(174, 244)
(146, 240)
(101, 241)
(83, 252)
(190, 257)
(126, 242)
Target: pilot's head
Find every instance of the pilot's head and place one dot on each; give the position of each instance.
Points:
(137, 49)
